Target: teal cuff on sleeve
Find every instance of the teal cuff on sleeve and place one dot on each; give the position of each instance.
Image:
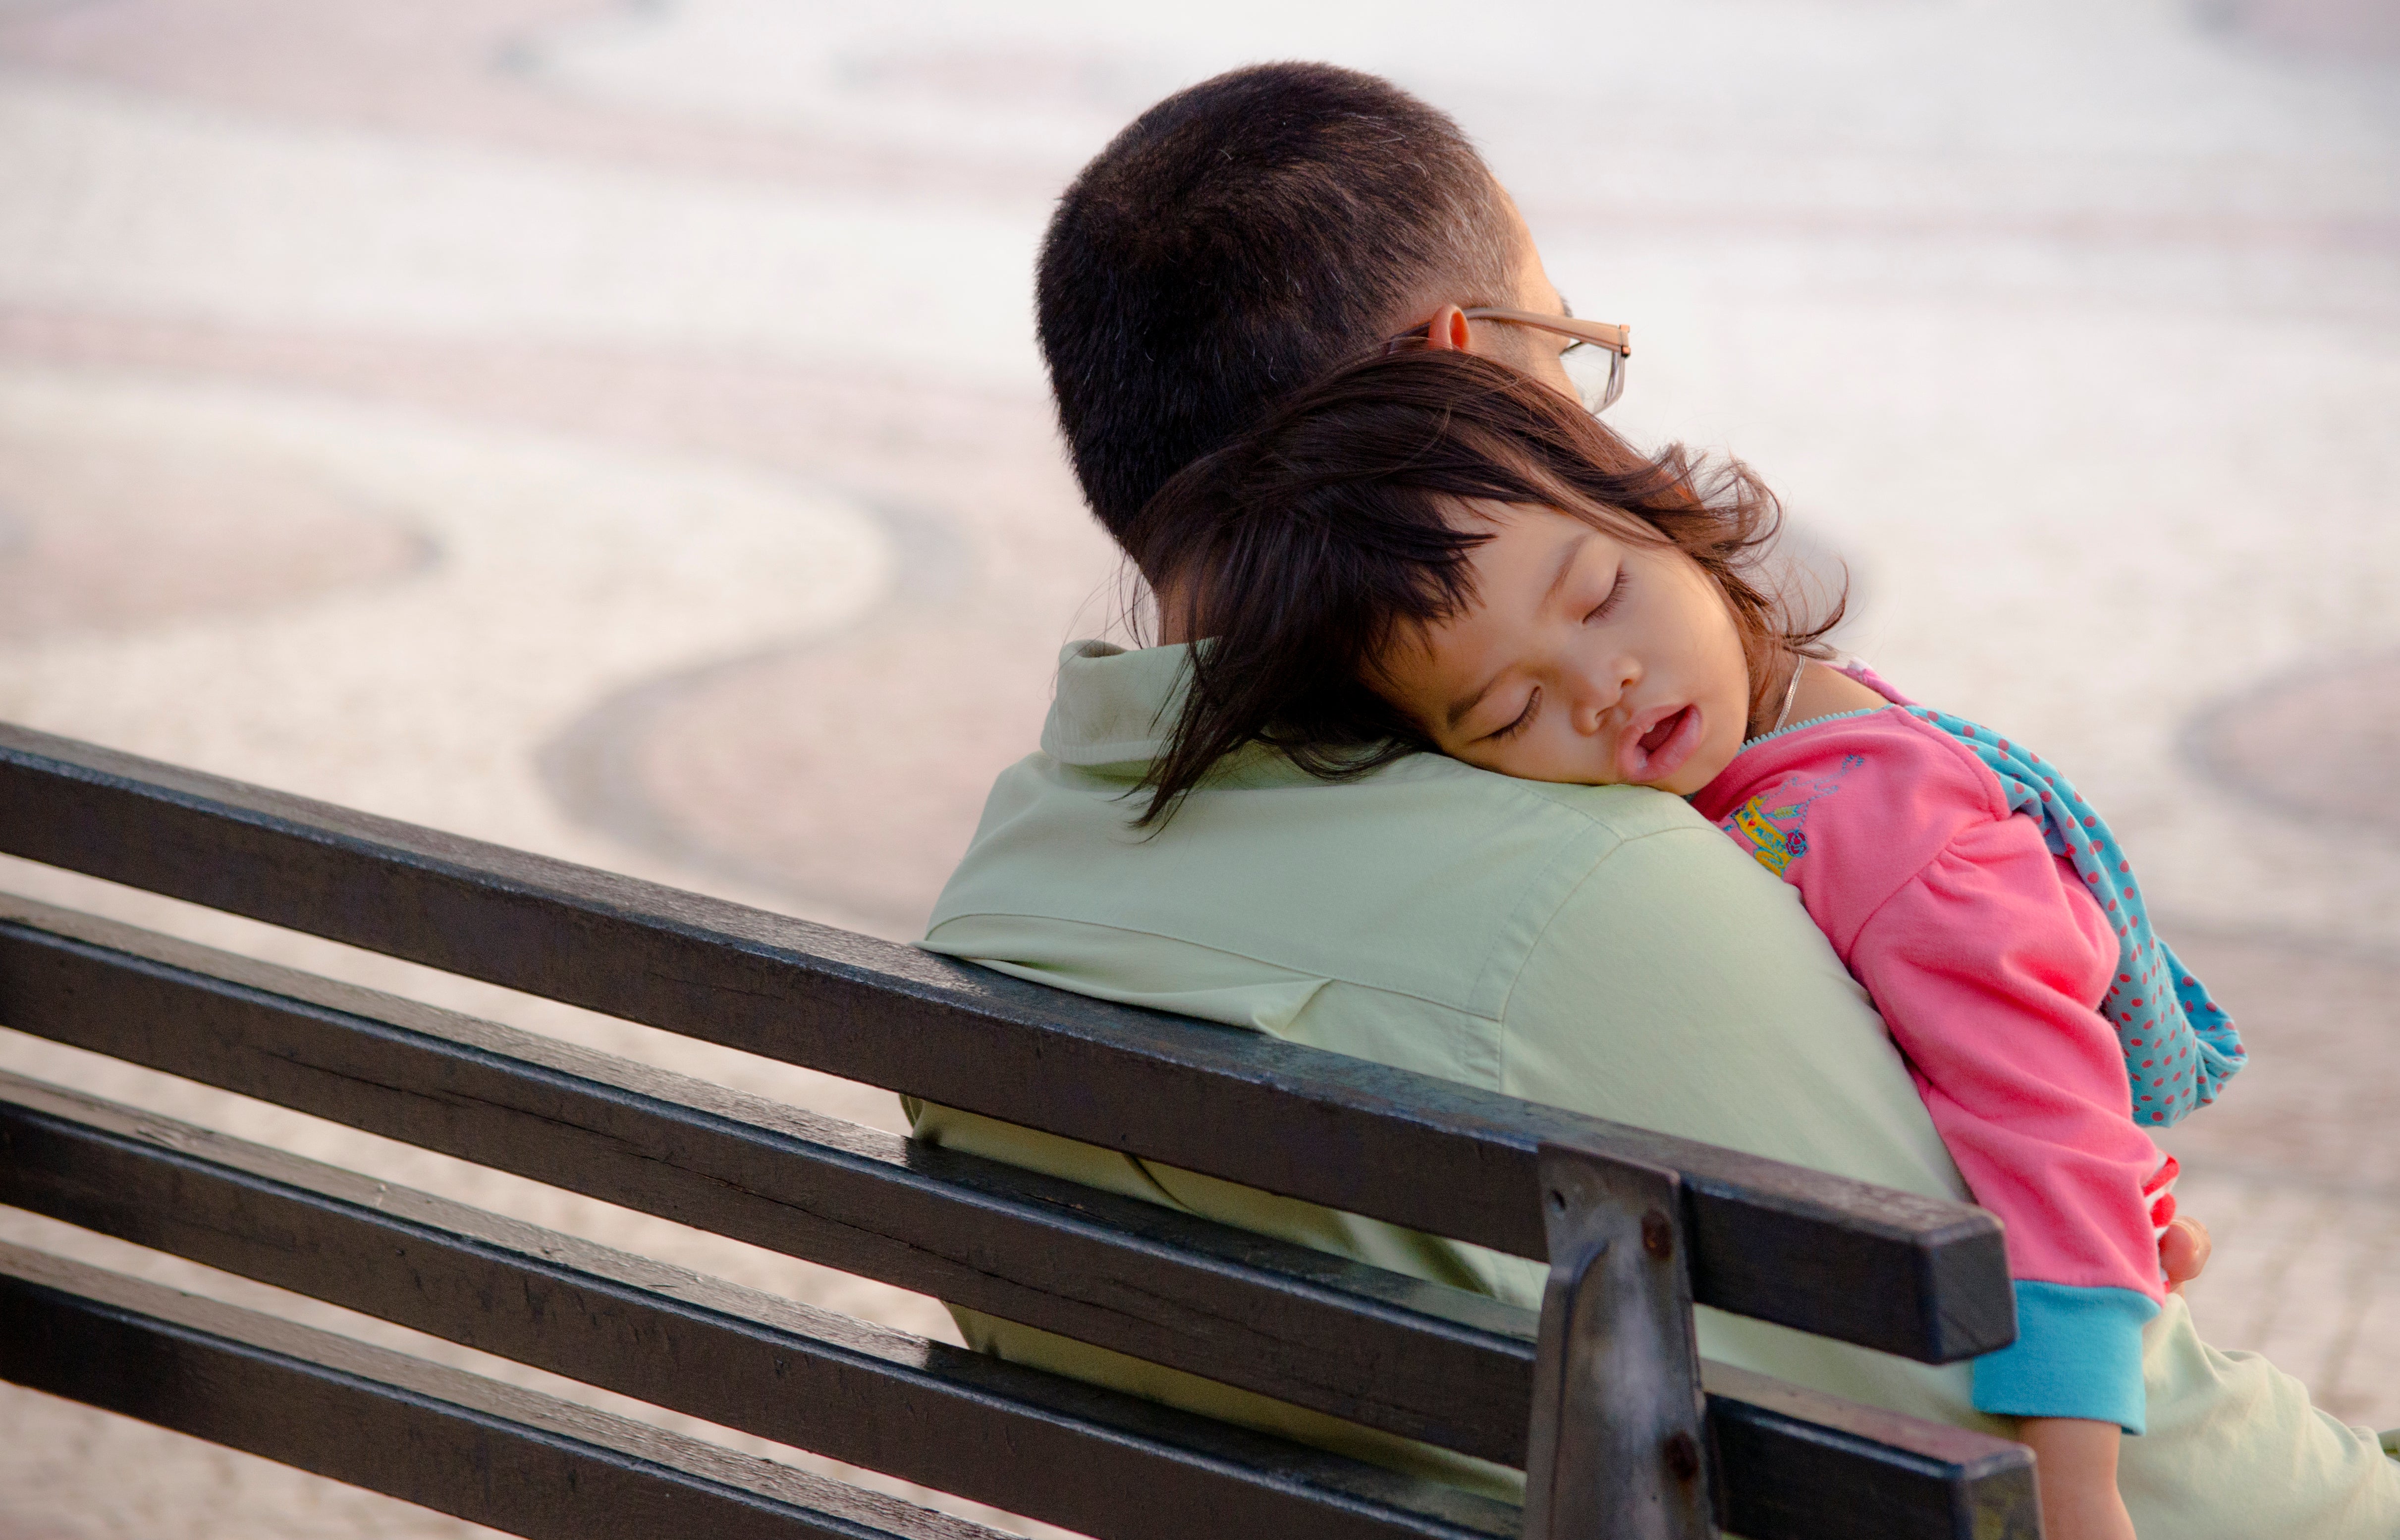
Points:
(2078, 1354)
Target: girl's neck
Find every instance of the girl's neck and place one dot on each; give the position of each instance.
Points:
(1820, 690)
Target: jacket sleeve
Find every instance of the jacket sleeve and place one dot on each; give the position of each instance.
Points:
(1988, 970)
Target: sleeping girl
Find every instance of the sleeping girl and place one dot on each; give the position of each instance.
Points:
(1431, 551)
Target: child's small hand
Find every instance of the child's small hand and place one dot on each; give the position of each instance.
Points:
(2183, 1251)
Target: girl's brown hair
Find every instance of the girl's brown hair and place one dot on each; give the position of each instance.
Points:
(1309, 546)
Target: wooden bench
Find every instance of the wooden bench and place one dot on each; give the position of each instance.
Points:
(1601, 1398)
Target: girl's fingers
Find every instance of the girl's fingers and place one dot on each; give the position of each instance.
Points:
(2183, 1251)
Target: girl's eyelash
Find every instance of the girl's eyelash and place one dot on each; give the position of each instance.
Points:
(1616, 591)
(1524, 719)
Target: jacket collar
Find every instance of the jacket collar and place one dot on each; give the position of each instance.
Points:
(1114, 707)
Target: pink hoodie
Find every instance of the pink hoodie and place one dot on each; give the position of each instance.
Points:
(1988, 959)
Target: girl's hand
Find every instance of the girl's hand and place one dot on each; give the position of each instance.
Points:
(2183, 1252)
(2075, 1468)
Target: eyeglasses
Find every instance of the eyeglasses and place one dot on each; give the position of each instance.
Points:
(1594, 361)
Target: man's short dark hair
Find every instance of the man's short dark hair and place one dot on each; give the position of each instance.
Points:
(1242, 238)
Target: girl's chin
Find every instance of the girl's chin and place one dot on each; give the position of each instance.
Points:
(1686, 783)
(1693, 775)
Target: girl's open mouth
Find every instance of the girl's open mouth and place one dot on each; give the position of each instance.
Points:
(1661, 749)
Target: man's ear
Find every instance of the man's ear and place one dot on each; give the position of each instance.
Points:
(1448, 330)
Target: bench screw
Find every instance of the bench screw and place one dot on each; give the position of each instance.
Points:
(1682, 1457)
(1658, 1236)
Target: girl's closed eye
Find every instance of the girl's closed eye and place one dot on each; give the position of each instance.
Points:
(1616, 591)
(1524, 719)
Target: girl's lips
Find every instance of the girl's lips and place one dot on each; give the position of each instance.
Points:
(1656, 744)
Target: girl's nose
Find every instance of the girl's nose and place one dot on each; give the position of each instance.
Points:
(1597, 690)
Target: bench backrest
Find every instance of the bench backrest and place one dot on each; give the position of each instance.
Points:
(1625, 1432)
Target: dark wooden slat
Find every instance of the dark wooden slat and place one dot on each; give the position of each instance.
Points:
(1396, 1352)
(942, 1416)
(441, 1438)
(1817, 1466)
(1866, 1264)
(1802, 1465)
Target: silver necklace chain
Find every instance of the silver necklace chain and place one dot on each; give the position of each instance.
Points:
(1791, 693)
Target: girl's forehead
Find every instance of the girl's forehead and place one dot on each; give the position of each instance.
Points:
(1524, 525)
(1527, 543)
(1531, 558)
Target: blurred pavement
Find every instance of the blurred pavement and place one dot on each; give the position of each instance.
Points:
(614, 430)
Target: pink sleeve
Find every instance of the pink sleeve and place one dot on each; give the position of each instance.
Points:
(1989, 970)
(1988, 967)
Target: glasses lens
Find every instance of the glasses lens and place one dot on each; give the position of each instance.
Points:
(1597, 374)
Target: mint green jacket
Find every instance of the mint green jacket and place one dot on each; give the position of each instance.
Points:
(1602, 949)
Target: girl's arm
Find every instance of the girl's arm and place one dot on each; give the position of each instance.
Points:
(1987, 969)
(2075, 1471)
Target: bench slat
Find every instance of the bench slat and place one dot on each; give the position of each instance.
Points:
(1911, 1275)
(1797, 1466)
(1839, 1468)
(455, 1442)
(942, 1416)
(1400, 1353)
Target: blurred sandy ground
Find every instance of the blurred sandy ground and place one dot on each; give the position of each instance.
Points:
(614, 430)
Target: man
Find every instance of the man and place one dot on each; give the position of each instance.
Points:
(1602, 949)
